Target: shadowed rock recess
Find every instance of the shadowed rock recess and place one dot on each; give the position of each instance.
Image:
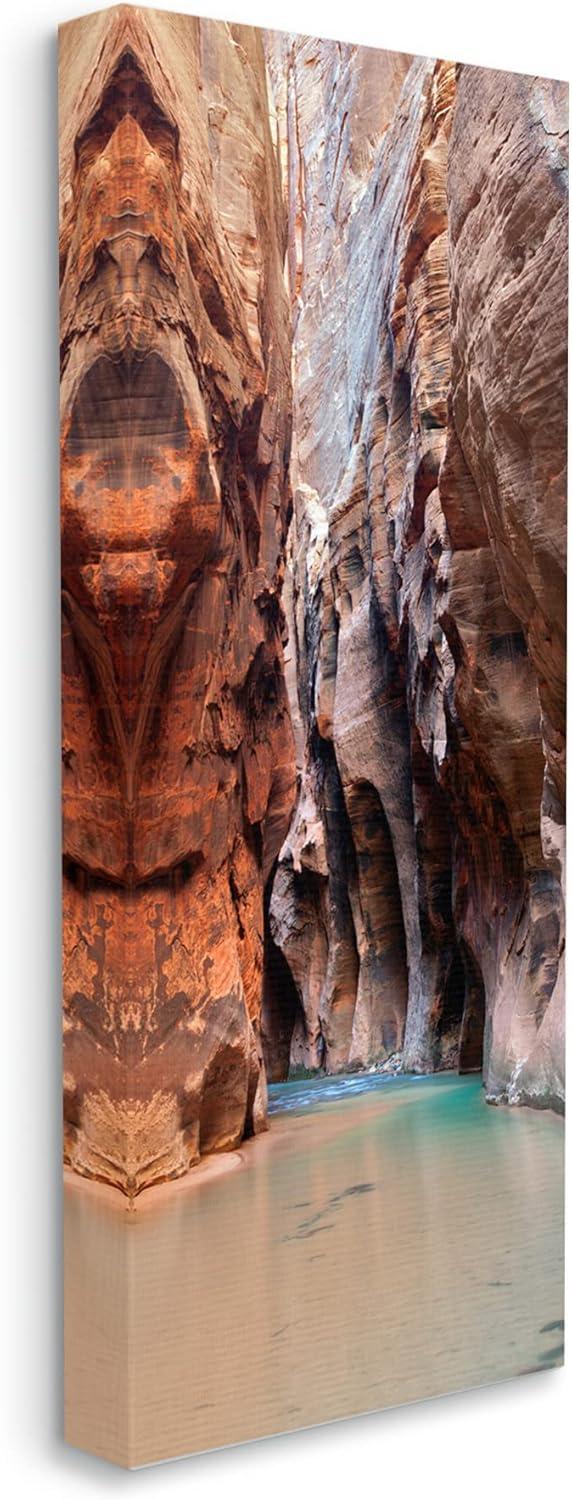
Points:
(314, 644)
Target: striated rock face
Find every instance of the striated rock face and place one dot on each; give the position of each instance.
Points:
(178, 773)
(417, 905)
(509, 227)
(313, 340)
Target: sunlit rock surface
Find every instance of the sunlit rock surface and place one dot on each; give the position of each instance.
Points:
(417, 903)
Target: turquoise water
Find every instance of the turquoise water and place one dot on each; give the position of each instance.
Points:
(386, 1240)
(309, 1093)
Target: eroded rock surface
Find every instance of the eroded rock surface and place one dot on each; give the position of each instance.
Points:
(175, 432)
(418, 897)
(313, 335)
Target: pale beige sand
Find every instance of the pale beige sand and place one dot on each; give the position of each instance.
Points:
(386, 1248)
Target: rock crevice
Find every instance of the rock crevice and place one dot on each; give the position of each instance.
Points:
(427, 278)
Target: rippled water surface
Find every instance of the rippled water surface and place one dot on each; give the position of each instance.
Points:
(388, 1239)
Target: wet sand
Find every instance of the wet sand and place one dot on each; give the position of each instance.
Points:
(386, 1241)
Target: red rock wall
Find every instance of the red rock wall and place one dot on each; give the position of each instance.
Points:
(418, 898)
(175, 433)
(358, 587)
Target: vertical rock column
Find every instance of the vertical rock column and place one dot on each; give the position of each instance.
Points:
(508, 194)
(178, 758)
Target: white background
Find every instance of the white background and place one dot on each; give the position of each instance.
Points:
(512, 1440)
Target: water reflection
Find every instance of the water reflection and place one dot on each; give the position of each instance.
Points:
(387, 1240)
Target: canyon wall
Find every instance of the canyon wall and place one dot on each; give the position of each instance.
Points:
(416, 912)
(178, 773)
(313, 346)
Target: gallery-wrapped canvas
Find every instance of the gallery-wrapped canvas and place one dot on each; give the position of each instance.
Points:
(313, 442)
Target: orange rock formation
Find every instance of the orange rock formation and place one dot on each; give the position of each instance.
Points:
(175, 430)
(368, 827)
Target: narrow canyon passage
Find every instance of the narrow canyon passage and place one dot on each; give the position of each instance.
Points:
(415, 642)
(313, 340)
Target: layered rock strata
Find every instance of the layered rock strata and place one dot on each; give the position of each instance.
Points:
(417, 903)
(178, 773)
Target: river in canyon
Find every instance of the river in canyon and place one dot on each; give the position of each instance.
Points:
(386, 1240)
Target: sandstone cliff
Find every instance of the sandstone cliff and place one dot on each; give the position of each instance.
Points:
(313, 341)
(417, 902)
(175, 432)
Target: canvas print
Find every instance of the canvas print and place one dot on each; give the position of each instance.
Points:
(313, 444)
